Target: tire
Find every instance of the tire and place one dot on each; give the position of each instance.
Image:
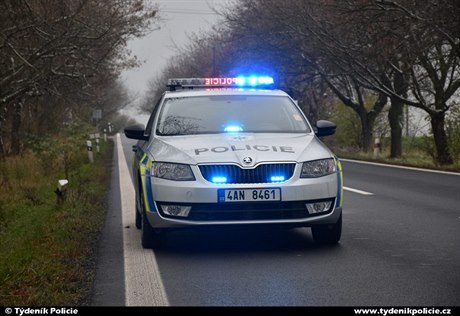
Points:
(138, 217)
(150, 238)
(327, 234)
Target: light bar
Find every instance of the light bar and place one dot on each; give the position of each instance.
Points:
(240, 81)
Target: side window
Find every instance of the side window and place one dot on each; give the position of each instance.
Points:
(148, 129)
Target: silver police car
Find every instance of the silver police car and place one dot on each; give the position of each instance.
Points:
(233, 151)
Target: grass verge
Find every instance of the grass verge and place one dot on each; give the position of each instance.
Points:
(48, 247)
(411, 158)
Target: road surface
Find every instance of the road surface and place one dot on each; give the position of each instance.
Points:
(400, 246)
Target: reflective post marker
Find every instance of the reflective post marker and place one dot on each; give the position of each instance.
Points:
(97, 145)
(105, 135)
(377, 147)
(60, 190)
(89, 147)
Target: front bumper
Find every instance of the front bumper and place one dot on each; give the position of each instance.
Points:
(202, 196)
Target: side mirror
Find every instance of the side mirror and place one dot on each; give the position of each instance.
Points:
(325, 128)
(136, 132)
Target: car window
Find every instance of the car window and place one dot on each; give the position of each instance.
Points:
(230, 113)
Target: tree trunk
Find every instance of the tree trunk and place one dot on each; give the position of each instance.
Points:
(394, 117)
(15, 130)
(440, 139)
(2, 146)
(366, 132)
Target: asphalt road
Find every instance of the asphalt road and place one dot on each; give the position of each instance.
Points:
(400, 246)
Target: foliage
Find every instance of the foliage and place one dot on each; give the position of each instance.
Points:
(348, 133)
(48, 246)
(453, 133)
(57, 153)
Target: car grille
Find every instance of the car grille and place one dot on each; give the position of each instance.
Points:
(248, 211)
(260, 174)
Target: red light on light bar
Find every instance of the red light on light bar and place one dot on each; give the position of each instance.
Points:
(219, 81)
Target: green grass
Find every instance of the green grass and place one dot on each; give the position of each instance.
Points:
(47, 248)
(417, 152)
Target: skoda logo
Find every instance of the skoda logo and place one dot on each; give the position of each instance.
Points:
(247, 160)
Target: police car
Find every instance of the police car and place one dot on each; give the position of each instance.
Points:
(233, 151)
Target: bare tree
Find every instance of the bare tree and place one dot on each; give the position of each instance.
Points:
(197, 59)
(67, 50)
(404, 50)
(419, 49)
(304, 49)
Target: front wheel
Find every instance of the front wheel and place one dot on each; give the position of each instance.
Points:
(327, 234)
(151, 238)
(138, 218)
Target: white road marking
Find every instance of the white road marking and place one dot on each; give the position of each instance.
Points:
(357, 191)
(143, 285)
(401, 167)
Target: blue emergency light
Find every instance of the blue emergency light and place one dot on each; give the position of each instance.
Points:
(254, 81)
(277, 178)
(219, 180)
(233, 129)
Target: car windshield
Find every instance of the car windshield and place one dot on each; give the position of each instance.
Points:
(230, 114)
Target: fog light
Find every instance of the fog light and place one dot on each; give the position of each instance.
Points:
(318, 207)
(176, 210)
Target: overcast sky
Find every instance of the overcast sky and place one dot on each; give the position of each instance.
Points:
(180, 18)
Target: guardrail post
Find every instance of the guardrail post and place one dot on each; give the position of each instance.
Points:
(89, 147)
(377, 147)
(61, 190)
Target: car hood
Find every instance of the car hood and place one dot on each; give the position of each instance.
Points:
(245, 149)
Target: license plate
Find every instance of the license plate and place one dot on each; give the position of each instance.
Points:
(249, 195)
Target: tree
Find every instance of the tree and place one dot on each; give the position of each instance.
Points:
(67, 51)
(424, 53)
(300, 39)
(197, 59)
(377, 45)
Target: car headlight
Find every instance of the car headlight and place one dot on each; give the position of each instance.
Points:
(318, 168)
(172, 171)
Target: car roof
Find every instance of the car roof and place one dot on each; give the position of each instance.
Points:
(222, 91)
